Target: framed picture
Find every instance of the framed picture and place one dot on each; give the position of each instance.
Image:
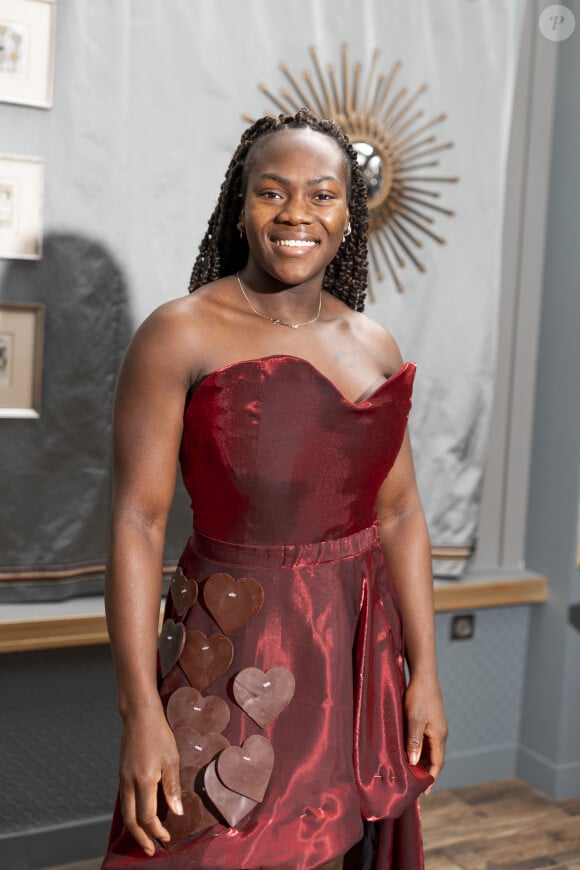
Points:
(21, 186)
(27, 51)
(21, 339)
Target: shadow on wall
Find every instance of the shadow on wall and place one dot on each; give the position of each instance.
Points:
(56, 470)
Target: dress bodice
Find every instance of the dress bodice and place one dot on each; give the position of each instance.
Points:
(273, 453)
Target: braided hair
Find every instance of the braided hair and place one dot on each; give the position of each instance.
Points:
(222, 252)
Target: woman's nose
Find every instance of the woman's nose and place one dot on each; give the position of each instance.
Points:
(295, 211)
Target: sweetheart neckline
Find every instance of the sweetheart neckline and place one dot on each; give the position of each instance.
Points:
(285, 356)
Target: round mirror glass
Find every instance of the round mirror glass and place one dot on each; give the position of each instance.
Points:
(372, 168)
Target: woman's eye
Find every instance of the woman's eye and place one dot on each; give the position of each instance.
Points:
(323, 196)
(269, 194)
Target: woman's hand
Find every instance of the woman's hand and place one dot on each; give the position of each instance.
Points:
(426, 725)
(148, 757)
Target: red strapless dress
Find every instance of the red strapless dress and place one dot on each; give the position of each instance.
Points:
(283, 474)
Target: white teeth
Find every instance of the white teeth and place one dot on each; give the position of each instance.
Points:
(295, 243)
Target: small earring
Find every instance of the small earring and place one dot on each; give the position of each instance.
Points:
(240, 224)
(347, 232)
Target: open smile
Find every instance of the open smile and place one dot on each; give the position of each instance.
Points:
(294, 243)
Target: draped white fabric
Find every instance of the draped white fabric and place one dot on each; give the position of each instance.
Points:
(147, 108)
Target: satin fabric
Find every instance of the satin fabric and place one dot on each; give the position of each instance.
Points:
(283, 473)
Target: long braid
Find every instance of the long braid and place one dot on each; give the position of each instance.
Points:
(222, 252)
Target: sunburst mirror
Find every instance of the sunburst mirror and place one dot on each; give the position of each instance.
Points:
(395, 147)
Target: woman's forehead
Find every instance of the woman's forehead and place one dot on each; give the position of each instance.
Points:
(302, 148)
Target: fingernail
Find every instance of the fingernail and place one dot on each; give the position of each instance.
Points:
(178, 806)
(414, 758)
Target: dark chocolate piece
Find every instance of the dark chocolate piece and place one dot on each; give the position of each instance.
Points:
(232, 602)
(170, 644)
(204, 659)
(247, 769)
(231, 805)
(183, 592)
(187, 706)
(261, 695)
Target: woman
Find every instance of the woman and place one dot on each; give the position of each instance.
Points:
(281, 715)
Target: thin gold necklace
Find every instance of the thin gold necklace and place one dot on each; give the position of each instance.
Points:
(277, 320)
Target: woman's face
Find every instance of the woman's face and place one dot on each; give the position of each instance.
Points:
(296, 206)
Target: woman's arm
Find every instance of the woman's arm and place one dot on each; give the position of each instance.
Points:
(148, 412)
(407, 549)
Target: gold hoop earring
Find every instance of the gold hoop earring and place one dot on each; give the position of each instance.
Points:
(240, 224)
(347, 232)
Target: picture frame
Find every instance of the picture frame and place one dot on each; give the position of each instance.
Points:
(21, 202)
(21, 355)
(27, 29)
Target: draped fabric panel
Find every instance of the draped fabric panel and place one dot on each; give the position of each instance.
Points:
(147, 109)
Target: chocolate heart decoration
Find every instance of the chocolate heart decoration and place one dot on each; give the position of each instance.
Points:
(197, 749)
(188, 707)
(232, 806)
(195, 818)
(183, 592)
(261, 695)
(247, 770)
(232, 602)
(204, 659)
(170, 644)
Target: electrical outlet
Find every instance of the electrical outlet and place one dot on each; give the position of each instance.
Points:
(463, 626)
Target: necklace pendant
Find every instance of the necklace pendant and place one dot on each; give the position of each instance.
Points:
(276, 320)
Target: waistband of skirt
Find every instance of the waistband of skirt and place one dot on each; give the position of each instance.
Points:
(285, 555)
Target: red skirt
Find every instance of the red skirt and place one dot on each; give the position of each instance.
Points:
(330, 617)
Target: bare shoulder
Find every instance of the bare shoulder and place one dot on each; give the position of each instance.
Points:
(181, 330)
(194, 311)
(365, 333)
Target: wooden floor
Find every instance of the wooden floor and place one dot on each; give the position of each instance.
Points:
(502, 825)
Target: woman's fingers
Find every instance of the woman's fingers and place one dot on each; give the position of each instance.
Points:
(146, 805)
(436, 756)
(172, 788)
(146, 764)
(129, 811)
(416, 731)
(426, 726)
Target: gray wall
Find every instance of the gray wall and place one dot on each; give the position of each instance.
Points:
(58, 755)
(482, 681)
(550, 750)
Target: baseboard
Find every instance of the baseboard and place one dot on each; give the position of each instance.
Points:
(478, 765)
(558, 781)
(61, 844)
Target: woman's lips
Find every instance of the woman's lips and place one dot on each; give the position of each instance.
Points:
(295, 243)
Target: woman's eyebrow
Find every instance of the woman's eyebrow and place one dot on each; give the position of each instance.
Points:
(311, 182)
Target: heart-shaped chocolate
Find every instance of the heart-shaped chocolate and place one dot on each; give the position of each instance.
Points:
(195, 818)
(187, 706)
(204, 659)
(197, 749)
(231, 805)
(261, 695)
(247, 770)
(183, 592)
(171, 644)
(232, 602)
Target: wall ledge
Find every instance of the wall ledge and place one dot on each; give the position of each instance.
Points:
(479, 591)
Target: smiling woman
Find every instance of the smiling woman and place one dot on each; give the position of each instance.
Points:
(277, 730)
(294, 221)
